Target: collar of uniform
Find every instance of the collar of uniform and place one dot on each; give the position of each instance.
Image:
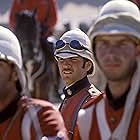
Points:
(118, 102)
(76, 87)
(10, 110)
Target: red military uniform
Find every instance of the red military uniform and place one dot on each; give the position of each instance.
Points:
(76, 96)
(117, 115)
(22, 118)
(46, 12)
(16, 123)
(100, 120)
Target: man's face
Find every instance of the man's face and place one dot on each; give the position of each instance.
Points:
(116, 55)
(72, 69)
(6, 78)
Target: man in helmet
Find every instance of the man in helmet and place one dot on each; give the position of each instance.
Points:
(115, 38)
(75, 61)
(22, 118)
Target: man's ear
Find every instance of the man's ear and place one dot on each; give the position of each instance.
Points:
(14, 76)
(88, 65)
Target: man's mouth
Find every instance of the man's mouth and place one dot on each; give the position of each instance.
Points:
(67, 72)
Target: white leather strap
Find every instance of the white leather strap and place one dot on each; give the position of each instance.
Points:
(102, 121)
(84, 122)
(29, 118)
(26, 127)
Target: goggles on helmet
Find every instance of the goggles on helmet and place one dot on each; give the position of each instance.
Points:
(74, 45)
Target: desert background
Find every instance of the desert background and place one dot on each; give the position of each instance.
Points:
(72, 11)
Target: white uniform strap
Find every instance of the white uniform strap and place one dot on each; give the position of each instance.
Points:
(105, 131)
(29, 118)
(25, 127)
(84, 122)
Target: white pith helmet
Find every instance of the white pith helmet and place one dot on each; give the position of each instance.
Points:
(10, 50)
(67, 52)
(117, 17)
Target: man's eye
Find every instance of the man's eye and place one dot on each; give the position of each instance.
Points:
(60, 58)
(75, 59)
(101, 44)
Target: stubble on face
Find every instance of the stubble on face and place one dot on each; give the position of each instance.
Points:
(71, 71)
(6, 83)
(116, 57)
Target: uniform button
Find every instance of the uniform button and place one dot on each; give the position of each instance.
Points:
(113, 120)
(69, 92)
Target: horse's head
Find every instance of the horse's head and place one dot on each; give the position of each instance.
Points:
(27, 27)
(27, 30)
(39, 65)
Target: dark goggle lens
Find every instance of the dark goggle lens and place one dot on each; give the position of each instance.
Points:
(76, 45)
(60, 44)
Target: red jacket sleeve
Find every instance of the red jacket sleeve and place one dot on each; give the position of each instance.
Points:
(52, 14)
(50, 19)
(15, 8)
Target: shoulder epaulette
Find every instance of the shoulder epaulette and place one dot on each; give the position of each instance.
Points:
(96, 95)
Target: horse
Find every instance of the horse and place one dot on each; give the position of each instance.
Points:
(39, 64)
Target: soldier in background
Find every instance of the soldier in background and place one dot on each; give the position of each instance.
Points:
(75, 61)
(21, 117)
(115, 38)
